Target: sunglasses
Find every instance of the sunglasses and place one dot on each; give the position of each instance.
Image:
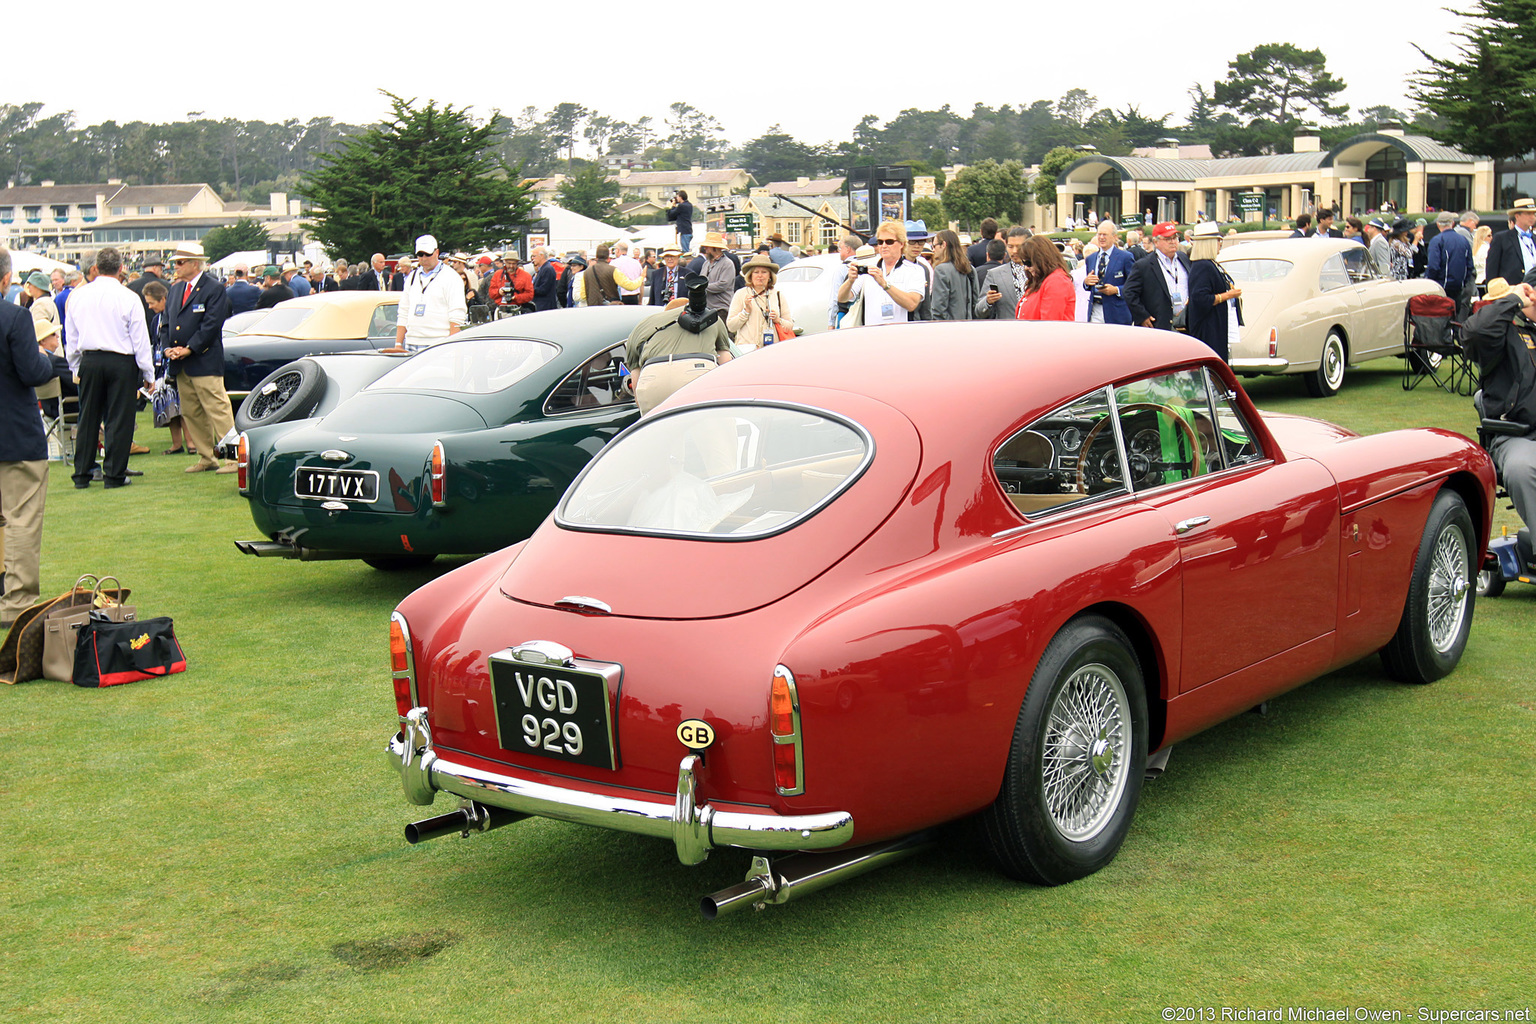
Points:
(423, 255)
(886, 241)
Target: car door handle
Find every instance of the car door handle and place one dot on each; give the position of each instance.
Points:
(1184, 526)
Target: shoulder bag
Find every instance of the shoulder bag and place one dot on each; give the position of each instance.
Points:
(62, 621)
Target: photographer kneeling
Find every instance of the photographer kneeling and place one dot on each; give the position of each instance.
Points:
(671, 348)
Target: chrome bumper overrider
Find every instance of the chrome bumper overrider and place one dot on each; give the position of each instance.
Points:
(1260, 365)
(694, 828)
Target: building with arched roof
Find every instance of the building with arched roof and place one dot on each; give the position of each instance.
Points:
(1358, 176)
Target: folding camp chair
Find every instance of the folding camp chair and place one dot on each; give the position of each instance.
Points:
(1432, 349)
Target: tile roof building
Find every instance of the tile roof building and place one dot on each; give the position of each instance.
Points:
(1358, 175)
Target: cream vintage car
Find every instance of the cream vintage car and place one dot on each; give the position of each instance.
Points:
(1313, 306)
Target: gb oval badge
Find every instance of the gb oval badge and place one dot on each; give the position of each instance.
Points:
(695, 735)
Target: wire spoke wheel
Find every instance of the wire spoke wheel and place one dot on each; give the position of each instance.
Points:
(275, 394)
(1448, 585)
(1085, 757)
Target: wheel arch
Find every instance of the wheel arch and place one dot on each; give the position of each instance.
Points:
(1466, 485)
(1155, 670)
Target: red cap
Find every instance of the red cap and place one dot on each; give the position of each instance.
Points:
(1165, 229)
(484, 261)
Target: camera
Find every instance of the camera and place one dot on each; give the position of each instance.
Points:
(861, 269)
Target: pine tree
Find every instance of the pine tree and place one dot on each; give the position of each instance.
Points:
(425, 170)
(1484, 91)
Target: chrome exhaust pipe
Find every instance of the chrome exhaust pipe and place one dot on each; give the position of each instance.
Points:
(472, 817)
(277, 549)
(266, 549)
(803, 873)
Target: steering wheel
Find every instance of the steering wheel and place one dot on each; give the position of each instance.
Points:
(1168, 411)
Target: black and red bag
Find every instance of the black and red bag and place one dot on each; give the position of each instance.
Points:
(108, 653)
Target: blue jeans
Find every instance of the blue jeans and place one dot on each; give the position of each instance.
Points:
(685, 243)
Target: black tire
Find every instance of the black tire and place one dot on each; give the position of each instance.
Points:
(395, 563)
(1325, 381)
(1437, 616)
(290, 392)
(1053, 828)
(1490, 583)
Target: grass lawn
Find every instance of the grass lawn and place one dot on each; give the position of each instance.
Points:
(226, 845)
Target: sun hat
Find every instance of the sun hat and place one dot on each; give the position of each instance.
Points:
(671, 250)
(775, 237)
(46, 327)
(1497, 289)
(765, 263)
(864, 256)
(713, 240)
(1378, 224)
(37, 279)
(1526, 205)
(189, 251)
(1207, 229)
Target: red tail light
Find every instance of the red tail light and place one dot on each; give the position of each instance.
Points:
(438, 473)
(1274, 343)
(784, 725)
(242, 461)
(402, 663)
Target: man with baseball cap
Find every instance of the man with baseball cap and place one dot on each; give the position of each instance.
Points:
(273, 288)
(432, 308)
(1157, 290)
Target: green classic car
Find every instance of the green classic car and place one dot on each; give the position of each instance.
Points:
(460, 448)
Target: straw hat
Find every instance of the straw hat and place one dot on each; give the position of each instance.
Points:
(45, 328)
(865, 256)
(1497, 289)
(713, 240)
(761, 260)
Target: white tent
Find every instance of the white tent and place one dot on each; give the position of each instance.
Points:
(23, 262)
(569, 231)
(253, 258)
(657, 236)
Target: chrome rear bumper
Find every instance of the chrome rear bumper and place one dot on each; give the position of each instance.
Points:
(1260, 365)
(695, 828)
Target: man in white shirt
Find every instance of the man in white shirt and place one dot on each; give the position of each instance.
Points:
(108, 347)
(893, 286)
(432, 308)
(630, 267)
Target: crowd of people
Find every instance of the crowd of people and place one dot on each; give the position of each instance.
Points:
(114, 336)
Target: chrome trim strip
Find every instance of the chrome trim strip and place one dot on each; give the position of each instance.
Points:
(694, 828)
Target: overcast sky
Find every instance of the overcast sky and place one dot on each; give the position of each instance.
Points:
(315, 59)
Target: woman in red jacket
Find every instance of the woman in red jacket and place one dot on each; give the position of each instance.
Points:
(1048, 292)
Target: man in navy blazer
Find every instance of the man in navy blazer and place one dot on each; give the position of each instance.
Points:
(1158, 286)
(1510, 251)
(1108, 271)
(193, 332)
(23, 454)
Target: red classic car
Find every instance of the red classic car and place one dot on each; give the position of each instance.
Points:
(836, 594)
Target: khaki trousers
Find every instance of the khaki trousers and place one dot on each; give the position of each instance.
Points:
(23, 492)
(205, 413)
(658, 381)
